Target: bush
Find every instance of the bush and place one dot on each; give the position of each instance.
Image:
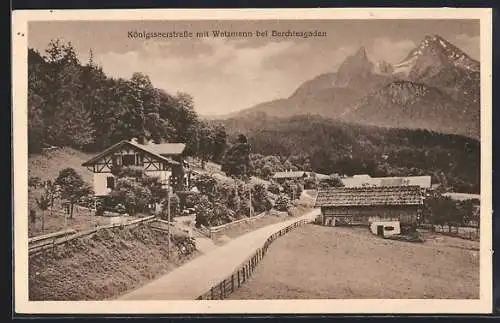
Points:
(274, 188)
(204, 212)
(175, 204)
(310, 183)
(185, 245)
(282, 203)
(120, 208)
(192, 200)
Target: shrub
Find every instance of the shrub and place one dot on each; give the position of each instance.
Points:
(192, 200)
(185, 245)
(274, 188)
(204, 212)
(120, 208)
(174, 207)
(282, 203)
(310, 183)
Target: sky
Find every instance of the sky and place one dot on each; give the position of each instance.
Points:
(227, 74)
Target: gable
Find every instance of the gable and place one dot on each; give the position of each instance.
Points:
(125, 148)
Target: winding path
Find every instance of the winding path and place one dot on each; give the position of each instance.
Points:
(199, 275)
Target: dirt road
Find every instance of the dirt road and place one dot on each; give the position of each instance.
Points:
(196, 277)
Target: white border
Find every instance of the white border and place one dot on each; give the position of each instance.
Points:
(19, 63)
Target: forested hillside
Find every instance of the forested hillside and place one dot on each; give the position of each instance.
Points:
(75, 104)
(328, 146)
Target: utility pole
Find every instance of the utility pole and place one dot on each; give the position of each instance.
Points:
(168, 219)
(250, 193)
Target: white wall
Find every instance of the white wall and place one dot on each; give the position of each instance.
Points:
(162, 174)
(394, 224)
(100, 180)
(100, 183)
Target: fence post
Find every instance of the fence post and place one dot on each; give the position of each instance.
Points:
(212, 293)
(232, 283)
(222, 285)
(239, 282)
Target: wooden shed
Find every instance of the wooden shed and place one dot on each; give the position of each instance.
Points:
(364, 205)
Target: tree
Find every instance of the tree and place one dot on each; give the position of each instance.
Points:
(206, 144)
(220, 143)
(266, 172)
(43, 203)
(311, 183)
(204, 212)
(274, 188)
(466, 209)
(332, 181)
(206, 185)
(72, 187)
(443, 210)
(52, 192)
(260, 200)
(34, 182)
(236, 162)
(132, 194)
(282, 203)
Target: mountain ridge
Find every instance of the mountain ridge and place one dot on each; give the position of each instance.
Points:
(358, 91)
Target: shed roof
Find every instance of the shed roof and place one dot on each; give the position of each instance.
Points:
(422, 181)
(292, 174)
(365, 180)
(370, 196)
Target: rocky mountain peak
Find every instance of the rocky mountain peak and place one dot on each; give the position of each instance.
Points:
(355, 68)
(361, 53)
(434, 53)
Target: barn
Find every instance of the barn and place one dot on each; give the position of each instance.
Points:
(368, 205)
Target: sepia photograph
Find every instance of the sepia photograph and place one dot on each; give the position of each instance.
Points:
(252, 161)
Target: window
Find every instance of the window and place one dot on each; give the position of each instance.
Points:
(116, 160)
(110, 182)
(128, 160)
(389, 228)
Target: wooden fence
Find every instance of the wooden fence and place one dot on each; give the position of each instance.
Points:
(223, 227)
(48, 242)
(459, 232)
(226, 287)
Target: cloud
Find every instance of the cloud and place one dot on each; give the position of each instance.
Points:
(390, 50)
(227, 75)
(469, 44)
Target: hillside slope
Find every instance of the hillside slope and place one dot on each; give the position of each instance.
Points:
(338, 147)
(406, 104)
(49, 163)
(101, 266)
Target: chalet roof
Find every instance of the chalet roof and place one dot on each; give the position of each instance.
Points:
(165, 149)
(292, 174)
(148, 149)
(369, 196)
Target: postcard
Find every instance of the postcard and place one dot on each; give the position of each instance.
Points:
(252, 161)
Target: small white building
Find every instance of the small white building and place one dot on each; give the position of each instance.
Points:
(385, 228)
